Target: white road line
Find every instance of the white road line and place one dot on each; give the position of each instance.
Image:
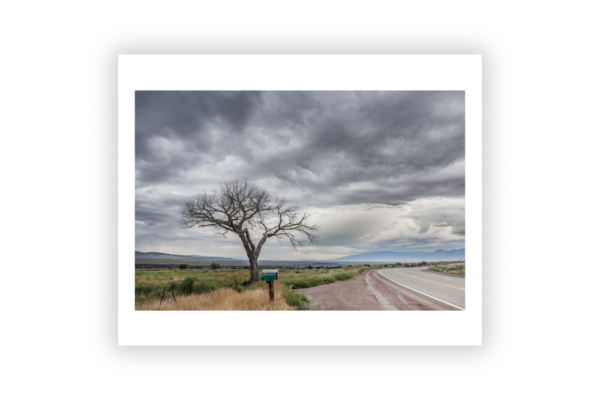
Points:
(415, 290)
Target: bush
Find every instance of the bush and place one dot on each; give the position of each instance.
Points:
(343, 276)
(186, 287)
(316, 282)
(183, 266)
(294, 299)
(173, 287)
(301, 285)
(201, 287)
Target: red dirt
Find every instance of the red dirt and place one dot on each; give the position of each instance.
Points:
(367, 291)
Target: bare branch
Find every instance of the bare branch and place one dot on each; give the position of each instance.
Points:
(238, 207)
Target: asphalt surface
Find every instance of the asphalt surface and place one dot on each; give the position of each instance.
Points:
(447, 289)
(368, 291)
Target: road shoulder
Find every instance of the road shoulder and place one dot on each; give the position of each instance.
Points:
(367, 291)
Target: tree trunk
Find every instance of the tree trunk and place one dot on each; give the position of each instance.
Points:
(254, 277)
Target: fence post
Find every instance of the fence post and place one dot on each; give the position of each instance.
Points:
(163, 296)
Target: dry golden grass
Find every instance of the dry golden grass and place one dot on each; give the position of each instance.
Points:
(222, 299)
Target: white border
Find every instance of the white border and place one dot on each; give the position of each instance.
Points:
(300, 72)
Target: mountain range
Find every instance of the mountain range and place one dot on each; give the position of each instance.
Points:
(438, 255)
(154, 254)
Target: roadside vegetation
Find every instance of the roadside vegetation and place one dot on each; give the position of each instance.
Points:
(230, 289)
(456, 269)
(310, 278)
(255, 297)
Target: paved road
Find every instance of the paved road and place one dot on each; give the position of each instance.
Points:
(442, 287)
(367, 291)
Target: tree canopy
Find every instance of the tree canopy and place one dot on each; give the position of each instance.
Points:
(240, 207)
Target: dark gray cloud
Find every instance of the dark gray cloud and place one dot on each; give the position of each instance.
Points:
(175, 131)
(322, 149)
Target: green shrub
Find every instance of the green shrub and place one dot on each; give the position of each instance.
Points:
(173, 287)
(202, 287)
(343, 276)
(186, 287)
(301, 285)
(190, 286)
(294, 299)
(316, 282)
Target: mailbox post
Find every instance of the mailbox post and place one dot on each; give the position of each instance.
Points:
(270, 275)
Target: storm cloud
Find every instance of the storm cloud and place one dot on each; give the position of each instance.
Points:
(379, 170)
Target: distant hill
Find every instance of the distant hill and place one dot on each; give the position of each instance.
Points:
(438, 255)
(153, 254)
(320, 264)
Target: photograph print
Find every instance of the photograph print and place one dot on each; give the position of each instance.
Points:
(300, 200)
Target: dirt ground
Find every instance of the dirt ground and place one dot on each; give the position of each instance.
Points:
(367, 291)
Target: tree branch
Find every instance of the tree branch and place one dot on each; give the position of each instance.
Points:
(240, 206)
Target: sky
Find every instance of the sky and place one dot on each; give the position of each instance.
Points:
(378, 171)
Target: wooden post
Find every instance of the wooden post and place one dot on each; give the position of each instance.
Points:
(163, 296)
(271, 291)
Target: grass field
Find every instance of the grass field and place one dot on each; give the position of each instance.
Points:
(229, 289)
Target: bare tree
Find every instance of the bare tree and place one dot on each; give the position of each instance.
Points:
(238, 207)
